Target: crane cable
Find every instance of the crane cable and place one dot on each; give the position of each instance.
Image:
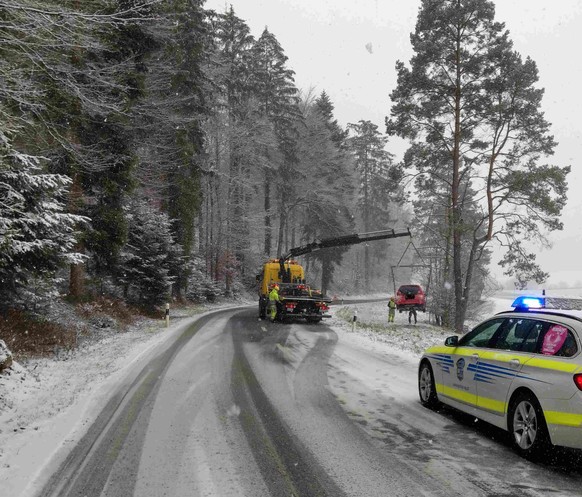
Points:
(412, 265)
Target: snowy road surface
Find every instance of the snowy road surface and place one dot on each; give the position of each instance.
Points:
(238, 407)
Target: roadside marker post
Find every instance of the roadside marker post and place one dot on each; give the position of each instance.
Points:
(167, 315)
(354, 319)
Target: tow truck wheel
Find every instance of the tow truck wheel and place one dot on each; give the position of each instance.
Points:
(426, 386)
(262, 311)
(527, 426)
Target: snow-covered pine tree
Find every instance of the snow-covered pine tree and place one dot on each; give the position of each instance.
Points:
(274, 85)
(37, 236)
(380, 181)
(326, 199)
(151, 259)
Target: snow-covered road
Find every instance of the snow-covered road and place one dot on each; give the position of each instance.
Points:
(235, 406)
(378, 388)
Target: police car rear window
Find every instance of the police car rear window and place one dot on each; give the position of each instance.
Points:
(559, 341)
(554, 339)
(534, 336)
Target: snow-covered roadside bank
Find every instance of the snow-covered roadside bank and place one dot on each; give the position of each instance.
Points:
(46, 404)
(400, 337)
(372, 327)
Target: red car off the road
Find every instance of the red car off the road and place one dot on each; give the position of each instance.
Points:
(410, 297)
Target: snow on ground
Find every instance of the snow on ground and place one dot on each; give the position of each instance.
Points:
(408, 340)
(372, 324)
(45, 403)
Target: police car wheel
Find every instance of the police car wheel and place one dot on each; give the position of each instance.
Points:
(426, 387)
(528, 427)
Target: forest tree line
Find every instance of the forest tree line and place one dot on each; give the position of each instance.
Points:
(150, 148)
(158, 146)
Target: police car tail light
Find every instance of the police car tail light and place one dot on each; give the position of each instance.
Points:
(524, 302)
(578, 381)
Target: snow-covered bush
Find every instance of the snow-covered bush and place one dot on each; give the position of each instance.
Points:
(5, 356)
(201, 287)
(39, 293)
(214, 290)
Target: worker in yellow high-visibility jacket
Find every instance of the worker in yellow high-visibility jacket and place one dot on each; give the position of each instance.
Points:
(391, 310)
(274, 300)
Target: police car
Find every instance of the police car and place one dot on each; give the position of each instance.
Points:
(520, 370)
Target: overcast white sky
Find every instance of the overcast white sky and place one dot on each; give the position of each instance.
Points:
(349, 48)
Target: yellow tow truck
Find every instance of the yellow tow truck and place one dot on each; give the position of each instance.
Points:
(298, 299)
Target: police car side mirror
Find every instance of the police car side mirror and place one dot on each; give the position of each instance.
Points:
(452, 341)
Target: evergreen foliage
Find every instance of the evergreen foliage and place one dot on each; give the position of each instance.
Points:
(37, 236)
(168, 138)
(151, 259)
(277, 96)
(379, 182)
(72, 110)
(233, 131)
(201, 287)
(332, 184)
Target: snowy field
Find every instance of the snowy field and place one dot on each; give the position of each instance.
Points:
(46, 402)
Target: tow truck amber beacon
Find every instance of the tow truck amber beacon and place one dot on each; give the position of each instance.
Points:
(299, 300)
(520, 370)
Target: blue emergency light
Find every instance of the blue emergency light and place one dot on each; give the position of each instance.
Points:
(525, 302)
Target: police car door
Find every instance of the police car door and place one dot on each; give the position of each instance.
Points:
(459, 383)
(509, 350)
(549, 375)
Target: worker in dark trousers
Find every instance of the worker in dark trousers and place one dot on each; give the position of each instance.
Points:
(411, 312)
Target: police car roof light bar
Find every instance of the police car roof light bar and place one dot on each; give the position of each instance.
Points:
(524, 303)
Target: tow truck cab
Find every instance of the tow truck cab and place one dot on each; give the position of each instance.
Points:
(270, 274)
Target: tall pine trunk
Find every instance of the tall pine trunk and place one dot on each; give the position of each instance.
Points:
(456, 208)
(325, 269)
(366, 223)
(267, 205)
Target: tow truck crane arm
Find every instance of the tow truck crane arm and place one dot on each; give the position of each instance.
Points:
(337, 242)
